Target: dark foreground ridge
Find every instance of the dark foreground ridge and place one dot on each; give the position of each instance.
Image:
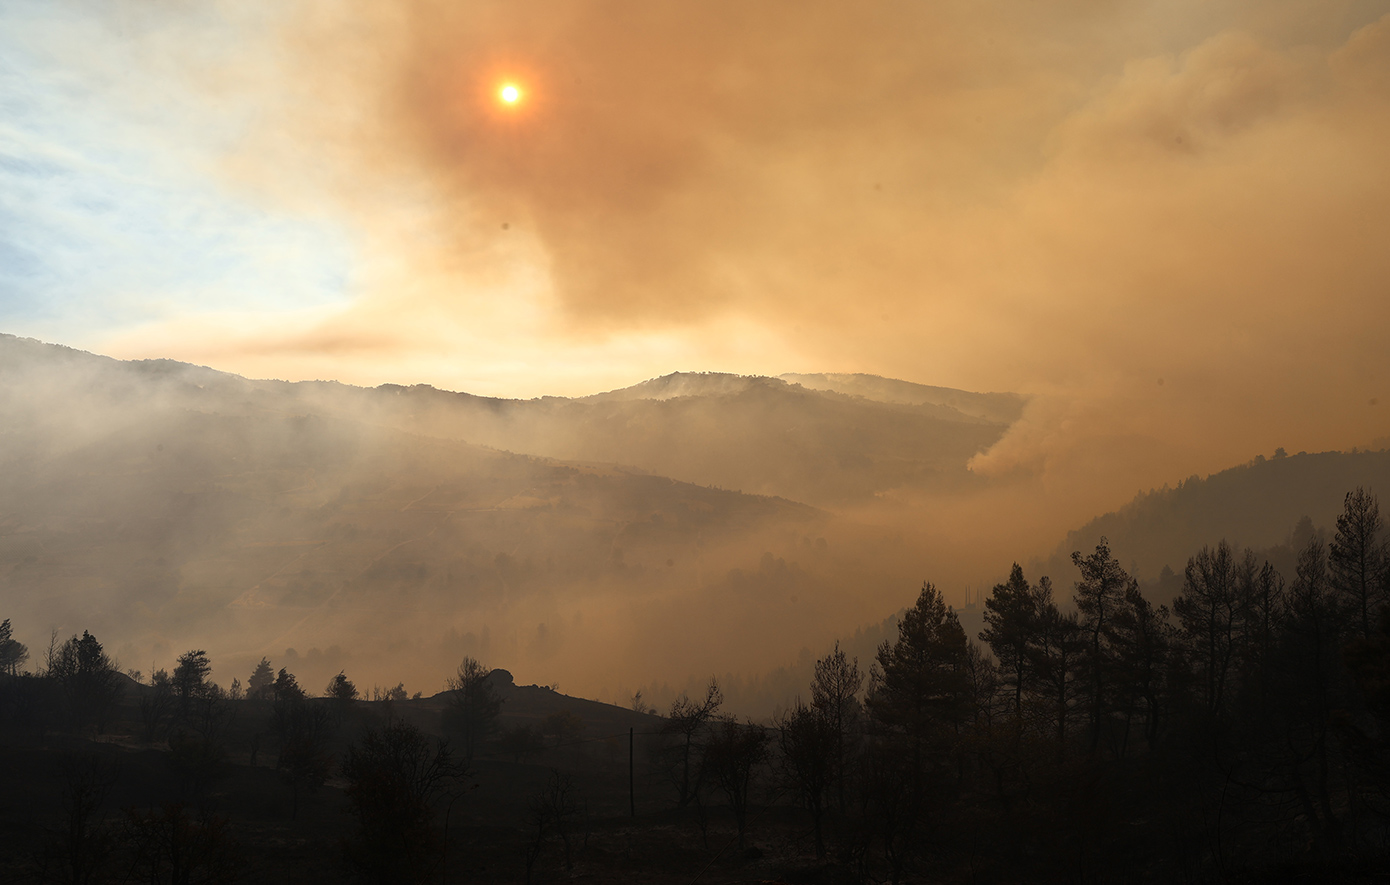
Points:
(1090, 736)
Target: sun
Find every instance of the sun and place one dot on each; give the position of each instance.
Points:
(509, 93)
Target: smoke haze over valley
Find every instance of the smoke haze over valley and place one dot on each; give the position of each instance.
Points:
(627, 539)
(792, 441)
(634, 539)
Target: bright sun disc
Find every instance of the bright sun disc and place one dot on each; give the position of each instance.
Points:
(509, 94)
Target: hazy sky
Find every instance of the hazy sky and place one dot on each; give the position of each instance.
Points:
(1169, 220)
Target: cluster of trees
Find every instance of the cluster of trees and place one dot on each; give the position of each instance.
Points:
(1247, 726)
(395, 772)
(1244, 727)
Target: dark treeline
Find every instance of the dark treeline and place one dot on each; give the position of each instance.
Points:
(1240, 734)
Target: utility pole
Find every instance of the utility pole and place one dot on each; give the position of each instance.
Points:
(631, 795)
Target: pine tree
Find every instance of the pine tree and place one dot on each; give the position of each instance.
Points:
(1212, 611)
(13, 653)
(262, 682)
(1358, 558)
(1055, 652)
(921, 687)
(835, 698)
(1011, 614)
(341, 688)
(1100, 595)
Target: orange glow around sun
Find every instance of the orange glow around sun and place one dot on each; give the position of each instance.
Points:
(509, 93)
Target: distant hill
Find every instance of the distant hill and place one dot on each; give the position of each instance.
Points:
(755, 434)
(833, 440)
(1003, 408)
(167, 506)
(1254, 505)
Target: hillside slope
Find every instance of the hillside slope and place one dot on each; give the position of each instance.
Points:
(1254, 505)
(166, 507)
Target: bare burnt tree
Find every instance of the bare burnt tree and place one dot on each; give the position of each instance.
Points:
(474, 706)
(1212, 611)
(553, 813)
(171, 844)
(835, 698)
(396, 775)
(687, 720)
(1312, 681)
(305, 740)
(808, 742)
(733, 755)
(85, 842)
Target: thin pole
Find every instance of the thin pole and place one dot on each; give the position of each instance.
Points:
(631, 795)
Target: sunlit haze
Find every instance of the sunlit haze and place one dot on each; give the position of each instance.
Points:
(1163, 227)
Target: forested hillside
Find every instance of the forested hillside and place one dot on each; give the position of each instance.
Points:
(1257, 505)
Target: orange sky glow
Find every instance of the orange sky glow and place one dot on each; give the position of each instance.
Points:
(1167, 223)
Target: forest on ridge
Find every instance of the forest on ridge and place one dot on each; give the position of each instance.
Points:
(1090, 735)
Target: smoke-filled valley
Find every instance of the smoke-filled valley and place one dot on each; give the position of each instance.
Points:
(597, 542)
(211, 527)
(798, 442)
(639, 539)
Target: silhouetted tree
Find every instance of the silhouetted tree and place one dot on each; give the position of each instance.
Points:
(1011, 615)
(342, 692)
(1262, 588)
(835, 697)
(305, 759)
(171, 845)
(288, 700)
(286, 687)
(202, 717)
(554, 811)
(732, 756)
(261, 685)
(1311, 677)
(919, 698)
(921, 689)
(1357, 557)
(395, 776)
(88, 679)
(1100, 594)
(13, 653)
(808, 741)
(687, 720)
(191, 675)
(157, 705)
(1056, 651)
(893, 796)
(341, 688)
(473, 704)
(1368, 662)
(85, 844)
(1141, 645)
(1213, 611)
